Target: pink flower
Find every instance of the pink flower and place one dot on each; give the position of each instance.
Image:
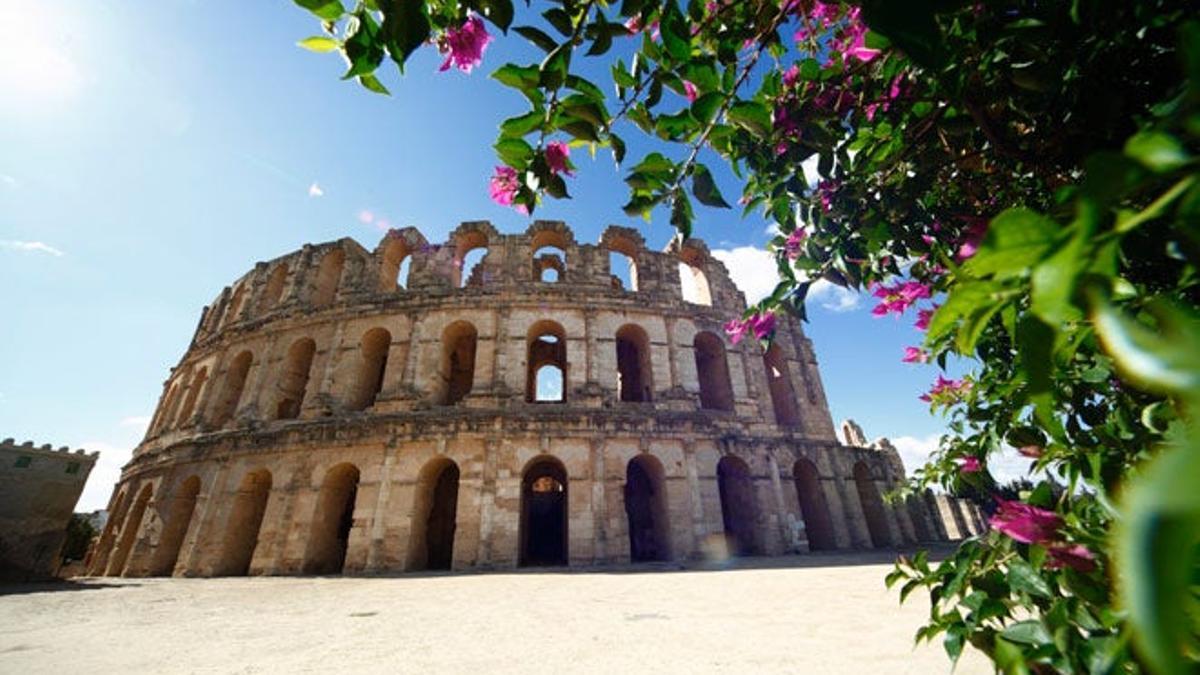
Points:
(946, 391)
(1075, 556)
(1024, 523)
(504, 186)
(972, 238)
(898, 298)
(689, 90)
(763, 325)
(1030, 451)
(791, 75)
(826, 190)
(634, 24)
(791, 247)
(464, 45)
(924, 316)
(736, 329)
(557, 154)
(915, 355)
(854, 44)
(969, 464)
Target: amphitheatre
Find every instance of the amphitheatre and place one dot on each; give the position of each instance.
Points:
(538, 410)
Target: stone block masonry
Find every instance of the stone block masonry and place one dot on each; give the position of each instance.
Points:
(341, 410)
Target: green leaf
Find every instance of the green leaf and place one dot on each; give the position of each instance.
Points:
(560, 20)
(328, 10)
(675, 33)
(521, 78)
(514, 152)
(1157, 151)
(1164, 359)
(362, 47)
(962, 301)
(681, 213)
(706, 106)
(405, 28)
(319, 44)
(585, 87)
(371, 82)
(1024, 578)
(1015, 240)
(499, 12)
(618, 149)
(752, 116)
(705, 188)
(537, 37)
(553, 71)
(516, 127)
(1029, 632)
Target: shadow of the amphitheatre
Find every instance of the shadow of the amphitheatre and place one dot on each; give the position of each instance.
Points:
(57, 585)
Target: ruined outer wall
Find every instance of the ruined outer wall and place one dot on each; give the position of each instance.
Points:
(38, 491)
(336, 294)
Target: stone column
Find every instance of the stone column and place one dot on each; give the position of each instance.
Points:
(589, 317)
(856, 519)
(695, 494)
(256, 394)
(487, 502)
(599, 501)
(838, 513)
(323, 400)
(788, 522)
(672, 351)
(204, 541)
(375, 550)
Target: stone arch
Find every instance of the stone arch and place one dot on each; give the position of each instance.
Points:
(469, 272)
(193, 394)
(179, 518)
(624, 248)
(245, 521)
(712, 371)
(117, 510)
(635, 375)
(392, 264)
(332, 520)
(129, 531)
(235, 305)
(329, 276)
(692, 279)
(434, 516)
(374, 348)
(779, 383)
(273, 291)
(739, 509)
(872, 506)
(235, 385)
(817, 521)
(293, 379)
(646, 509)
(457, 368)
(549, 242)
(168, 405)
(544, 513)
(546, 346)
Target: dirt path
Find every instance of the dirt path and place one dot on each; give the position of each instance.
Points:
(831, 615)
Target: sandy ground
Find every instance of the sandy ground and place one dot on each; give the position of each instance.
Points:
(816, 614)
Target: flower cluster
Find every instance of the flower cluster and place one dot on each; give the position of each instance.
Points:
(969, 464)
(1032, 525)
(826, 190)
(503, 188)
(463, 46)
(896, 299)
(761, 324)
(946, 391)
(791, 247)
(558, 157)
(915, 355)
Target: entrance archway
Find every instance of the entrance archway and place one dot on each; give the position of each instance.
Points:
(434, 517)
(646, 510)
(817, 523)
(179, 518)
(332, 521)
(738, 509)
(872, 506)
(544, 514)
(129, 532)
(245, 519)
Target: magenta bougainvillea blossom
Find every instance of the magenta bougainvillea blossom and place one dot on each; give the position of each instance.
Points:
(503, 188)
(897, 298)
(972, 237)
(969, 464)
(946, 390)
(923, 317)
(826, 190)
(762, 325)
(915, 355)
(1075, 556)
(557, 154)
(1024, 523)
(689, 90)
(463, 46)
(791, 247)
(736, 329)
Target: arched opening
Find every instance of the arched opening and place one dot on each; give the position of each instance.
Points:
(374, 345)
(646, 510)
(179, 518)
(872, 506)
(293, 379)
(457, 372)
(739, 510)
(332, 521)
(231, 393)
(435, 505)
(329, 275)
(245, 520)
(470, 251)
(544, 514)
(129, 532)
(817, 522)
(193, 393)
(235, 305)
(622, 262)
(635, 375)
(117, 509)
(393, 269)
(693, 283)
(779, 382)
(549, 264)
(170, 401)
(273, 291)
(918, 515)
(712, 370)
(546, 374)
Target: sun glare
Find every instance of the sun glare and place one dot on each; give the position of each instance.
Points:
(36, 64)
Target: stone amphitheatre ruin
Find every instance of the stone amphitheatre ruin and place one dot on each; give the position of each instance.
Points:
(538, 410)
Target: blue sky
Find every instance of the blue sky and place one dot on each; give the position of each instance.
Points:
(153, 152)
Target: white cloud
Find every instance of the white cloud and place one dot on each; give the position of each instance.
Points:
(9, 181)
(753, 272)
(1005, 466)
(29, 247)
(137, 422)
(104, 475)
(915, 452)
(315, 190)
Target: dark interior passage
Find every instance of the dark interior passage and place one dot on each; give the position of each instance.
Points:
(544, 514)
(332, 521)
(646, 510)
(738, 509)
(813, 508)
(245, 519)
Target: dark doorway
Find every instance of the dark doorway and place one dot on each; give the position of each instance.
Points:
(544, 514)
(245, 519)
(872, 506)
(431, 546)
(332, 521)
(738, 509)
(813, 509)
(646, 510)
(179, 517)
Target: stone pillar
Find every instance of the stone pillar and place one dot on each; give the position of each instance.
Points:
(856, 519)
(599, 503)
(672, 352)
(207, 537)
(590, 347)
(948, 517)
(699, 523)
(322, 399)
(791, 532)
(375, 548)
(487, 502)
(838, 513)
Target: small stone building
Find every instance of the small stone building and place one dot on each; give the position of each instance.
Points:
(39, 488)
(407, 408)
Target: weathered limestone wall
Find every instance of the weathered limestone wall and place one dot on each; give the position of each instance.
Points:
(38, 491)
(327, 418)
